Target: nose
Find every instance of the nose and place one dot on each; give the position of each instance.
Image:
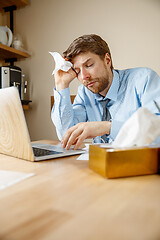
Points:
(85, 75)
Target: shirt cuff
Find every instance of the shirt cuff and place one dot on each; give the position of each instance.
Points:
(62, 96)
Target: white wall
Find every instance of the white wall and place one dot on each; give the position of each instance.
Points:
(131, 28)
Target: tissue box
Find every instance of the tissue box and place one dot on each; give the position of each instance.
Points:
(115, 163)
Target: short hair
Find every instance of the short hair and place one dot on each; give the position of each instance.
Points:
(88, 43)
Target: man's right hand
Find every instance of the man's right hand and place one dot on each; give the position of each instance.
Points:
(63, 79)
(83, 130)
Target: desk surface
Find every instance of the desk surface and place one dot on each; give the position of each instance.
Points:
(67, 200)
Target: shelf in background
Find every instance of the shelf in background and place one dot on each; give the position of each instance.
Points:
(9, 3)
(25, 107)
(9, 52)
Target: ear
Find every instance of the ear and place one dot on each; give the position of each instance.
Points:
(107, 59)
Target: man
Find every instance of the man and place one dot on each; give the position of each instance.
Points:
(124, 90)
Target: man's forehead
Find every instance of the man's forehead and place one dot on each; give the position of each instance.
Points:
(82, 58)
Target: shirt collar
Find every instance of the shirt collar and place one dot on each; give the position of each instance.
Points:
(113, 90)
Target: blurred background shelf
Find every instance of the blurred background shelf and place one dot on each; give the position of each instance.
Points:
(25, 107)
(9, 3)
(9, 52)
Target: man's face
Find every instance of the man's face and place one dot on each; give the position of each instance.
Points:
(93, 72)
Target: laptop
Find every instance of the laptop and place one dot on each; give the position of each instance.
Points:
(14, 135)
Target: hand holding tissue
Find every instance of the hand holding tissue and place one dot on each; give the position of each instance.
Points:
(60, 63)
(131, 153)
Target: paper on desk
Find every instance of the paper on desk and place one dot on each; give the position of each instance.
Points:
(60, 63)
(141, 129)
(8, 178)
(85, 155)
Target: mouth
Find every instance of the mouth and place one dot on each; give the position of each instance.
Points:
(90, 84)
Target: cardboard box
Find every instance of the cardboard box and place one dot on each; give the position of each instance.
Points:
(114, 163)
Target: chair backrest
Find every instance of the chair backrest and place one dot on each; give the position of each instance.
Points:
(52, 100)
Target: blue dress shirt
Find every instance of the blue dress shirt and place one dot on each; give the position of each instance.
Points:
(130, 89)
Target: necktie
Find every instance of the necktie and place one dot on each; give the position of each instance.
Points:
(106, 115)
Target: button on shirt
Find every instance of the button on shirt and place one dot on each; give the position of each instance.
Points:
(130, 89)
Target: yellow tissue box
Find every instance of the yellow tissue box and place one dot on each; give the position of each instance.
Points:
(115, 163)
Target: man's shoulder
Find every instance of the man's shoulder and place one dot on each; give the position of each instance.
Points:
(136, 74)
(137, 77)
(137, 70)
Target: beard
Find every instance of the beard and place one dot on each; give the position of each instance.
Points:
(100, 84)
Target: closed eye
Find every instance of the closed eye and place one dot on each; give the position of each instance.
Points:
(89, 65)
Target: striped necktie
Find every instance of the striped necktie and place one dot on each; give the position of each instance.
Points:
(106, 115)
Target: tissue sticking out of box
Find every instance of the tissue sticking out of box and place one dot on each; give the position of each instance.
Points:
(60, 63)
(142, 128)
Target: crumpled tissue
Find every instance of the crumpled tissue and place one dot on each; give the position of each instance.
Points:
(60, 63)
(141, 129)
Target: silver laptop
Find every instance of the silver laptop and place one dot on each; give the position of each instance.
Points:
(14, 135)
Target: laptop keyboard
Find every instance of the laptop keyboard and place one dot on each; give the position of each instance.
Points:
(39, 152)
